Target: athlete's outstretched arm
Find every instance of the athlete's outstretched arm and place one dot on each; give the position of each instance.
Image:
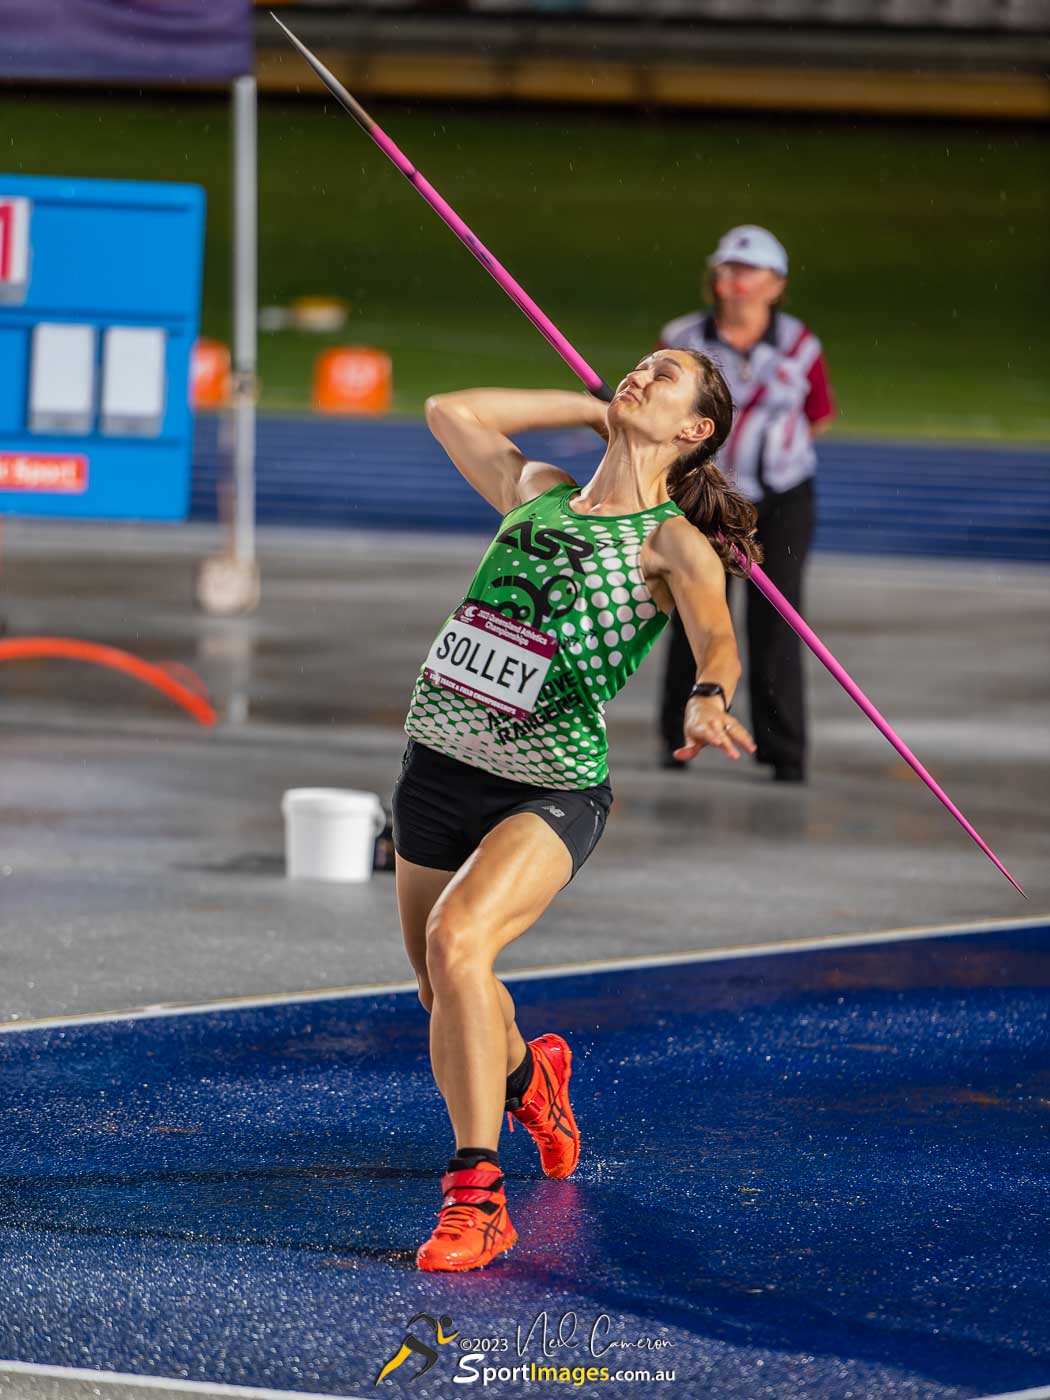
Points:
(473, 426)
(685, 560)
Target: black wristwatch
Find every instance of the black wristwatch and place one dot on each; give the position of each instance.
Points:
(709, 688)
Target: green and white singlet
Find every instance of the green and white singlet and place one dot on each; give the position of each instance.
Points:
(556, 619)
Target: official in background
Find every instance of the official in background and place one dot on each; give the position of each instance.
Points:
(774, 365)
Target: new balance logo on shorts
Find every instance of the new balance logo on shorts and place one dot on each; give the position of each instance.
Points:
(554, 811)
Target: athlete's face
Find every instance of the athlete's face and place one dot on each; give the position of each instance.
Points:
(741, 283)
(656, 401)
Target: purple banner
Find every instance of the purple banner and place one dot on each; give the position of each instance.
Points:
(143, 40)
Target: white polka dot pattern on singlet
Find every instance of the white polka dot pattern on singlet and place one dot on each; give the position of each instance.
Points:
(608, 622)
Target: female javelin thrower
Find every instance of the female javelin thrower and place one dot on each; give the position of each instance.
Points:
(504, 788)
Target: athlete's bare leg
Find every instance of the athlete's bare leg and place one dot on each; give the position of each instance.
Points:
(418, 889)
(499, 892)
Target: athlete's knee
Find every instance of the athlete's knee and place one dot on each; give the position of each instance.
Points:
(455, 947)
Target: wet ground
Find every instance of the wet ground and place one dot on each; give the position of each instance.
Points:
(142, 856)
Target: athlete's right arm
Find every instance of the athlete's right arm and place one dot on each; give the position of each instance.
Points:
(473, 427)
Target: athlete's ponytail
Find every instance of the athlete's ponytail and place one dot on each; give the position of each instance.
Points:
(699, 489)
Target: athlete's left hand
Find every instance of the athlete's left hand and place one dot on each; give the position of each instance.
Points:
(707, 725)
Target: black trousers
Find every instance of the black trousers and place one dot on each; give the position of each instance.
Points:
(774, 659)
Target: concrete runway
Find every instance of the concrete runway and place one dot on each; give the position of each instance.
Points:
(142, 856)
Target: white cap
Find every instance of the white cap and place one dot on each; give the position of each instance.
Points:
(752, 245)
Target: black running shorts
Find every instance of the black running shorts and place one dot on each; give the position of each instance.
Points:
(442, 808)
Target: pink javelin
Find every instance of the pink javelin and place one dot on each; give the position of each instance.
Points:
(597, 386)
(795, 619)
(517, 293)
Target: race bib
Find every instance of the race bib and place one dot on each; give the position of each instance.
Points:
(490, 658)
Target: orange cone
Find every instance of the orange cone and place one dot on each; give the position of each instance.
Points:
(353, 379)
(210, 374)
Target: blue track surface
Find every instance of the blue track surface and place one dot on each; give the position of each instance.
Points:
(814, 1174)
(874, 498)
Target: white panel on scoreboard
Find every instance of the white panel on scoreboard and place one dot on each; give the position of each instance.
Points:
(14, 249)
(133, 380)
(62, 379)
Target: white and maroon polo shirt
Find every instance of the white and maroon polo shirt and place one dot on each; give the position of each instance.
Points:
(779, 387)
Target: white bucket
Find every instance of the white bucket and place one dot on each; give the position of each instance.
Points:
(330, 833)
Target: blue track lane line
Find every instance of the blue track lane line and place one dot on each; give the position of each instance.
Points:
(805, 1174)
(888, 498)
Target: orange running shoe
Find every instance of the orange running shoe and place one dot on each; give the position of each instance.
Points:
(545, 1109)
(473, 1224)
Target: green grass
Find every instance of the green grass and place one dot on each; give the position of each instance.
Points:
(920, 255)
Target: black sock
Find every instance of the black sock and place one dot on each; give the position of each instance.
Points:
(519, 1081)
(467, 1158)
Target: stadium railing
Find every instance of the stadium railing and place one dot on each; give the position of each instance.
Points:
(1016, 15)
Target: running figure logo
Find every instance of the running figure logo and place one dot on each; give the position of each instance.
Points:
(413, 1344)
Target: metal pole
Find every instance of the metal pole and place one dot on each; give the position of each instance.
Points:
(245, 299)
(228, 583)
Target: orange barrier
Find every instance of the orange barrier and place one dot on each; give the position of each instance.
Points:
(210, 377)
(190, 692)
(353, 379)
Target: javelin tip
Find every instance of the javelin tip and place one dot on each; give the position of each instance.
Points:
(331, 82)
(281, 22)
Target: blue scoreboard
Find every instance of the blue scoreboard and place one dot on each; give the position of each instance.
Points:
(100, 285)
